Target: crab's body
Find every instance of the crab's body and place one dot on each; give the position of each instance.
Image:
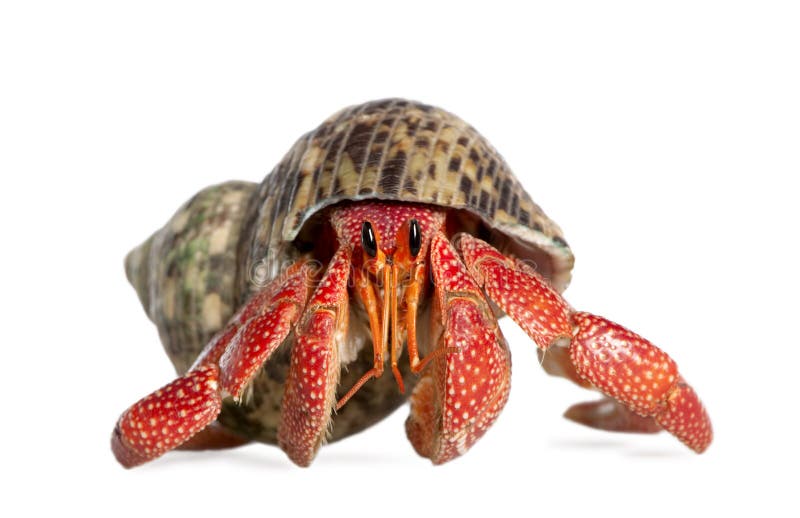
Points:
(377, 243)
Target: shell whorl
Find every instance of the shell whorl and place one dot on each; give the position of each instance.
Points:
(186, 273)
(401, 150)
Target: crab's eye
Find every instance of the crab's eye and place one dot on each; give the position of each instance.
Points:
(368, 239)
(414, 238)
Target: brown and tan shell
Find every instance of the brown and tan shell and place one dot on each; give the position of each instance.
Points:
(401, 150)
(231, 238)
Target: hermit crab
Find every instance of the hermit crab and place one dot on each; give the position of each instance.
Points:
(370, 266)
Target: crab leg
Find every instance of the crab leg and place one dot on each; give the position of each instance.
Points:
(465, 386)
(170, 416)
(620, 363)
(310, 393)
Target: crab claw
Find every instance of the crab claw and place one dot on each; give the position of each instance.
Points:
(583, 347)
(644, 378)
(465, 387)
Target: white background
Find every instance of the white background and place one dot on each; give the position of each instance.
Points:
(662, 138)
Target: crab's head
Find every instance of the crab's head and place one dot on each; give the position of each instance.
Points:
(387, 236)
(390, 242)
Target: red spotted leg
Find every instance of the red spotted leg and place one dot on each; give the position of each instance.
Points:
(465, 386)
(310, 393)
(177, 412)
(623, 365)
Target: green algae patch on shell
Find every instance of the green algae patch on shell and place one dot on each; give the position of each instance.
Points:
(185, 274)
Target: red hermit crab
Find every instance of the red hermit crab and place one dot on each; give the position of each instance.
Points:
(392, 229)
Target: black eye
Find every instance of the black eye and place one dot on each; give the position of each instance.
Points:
(368, 239)
(414, 238)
